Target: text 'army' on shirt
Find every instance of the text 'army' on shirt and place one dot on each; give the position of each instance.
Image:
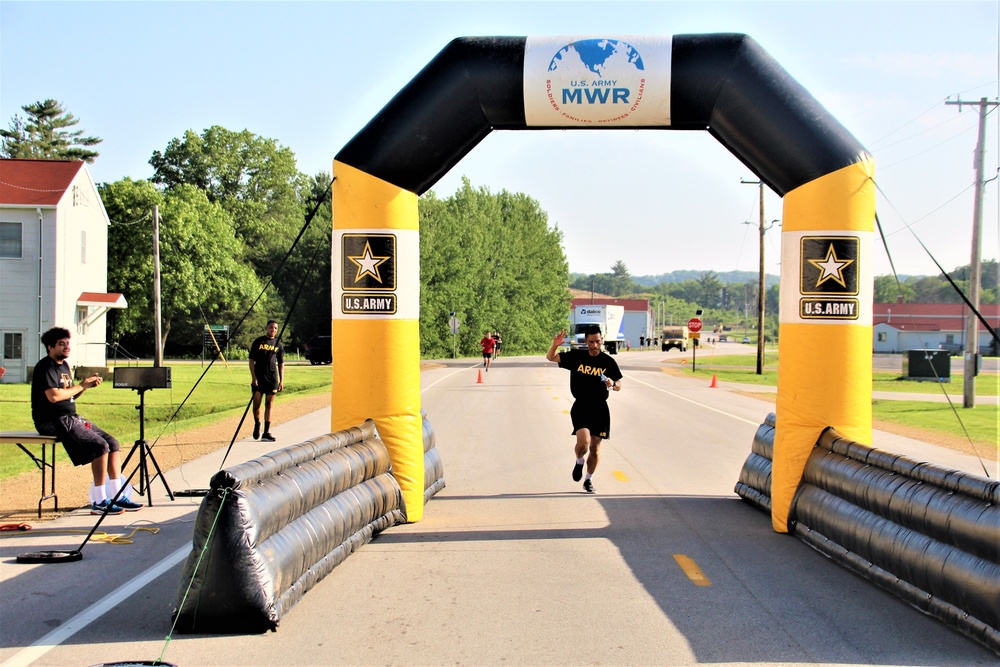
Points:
(590, 370)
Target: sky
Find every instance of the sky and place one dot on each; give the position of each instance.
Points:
(310, 75)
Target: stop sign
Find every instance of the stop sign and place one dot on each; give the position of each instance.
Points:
(694, 324)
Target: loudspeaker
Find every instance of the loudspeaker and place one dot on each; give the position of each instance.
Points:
(142, 378)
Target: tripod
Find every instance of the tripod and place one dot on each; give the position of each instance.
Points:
(145, 452)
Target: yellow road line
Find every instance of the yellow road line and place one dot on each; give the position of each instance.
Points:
(620, 476)
(692, 570)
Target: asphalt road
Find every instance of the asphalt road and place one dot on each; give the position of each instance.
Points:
(512, 563)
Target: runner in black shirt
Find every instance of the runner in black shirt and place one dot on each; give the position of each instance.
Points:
(592, 373)
(267, 377)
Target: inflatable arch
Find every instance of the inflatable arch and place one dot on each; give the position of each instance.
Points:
(725, 84)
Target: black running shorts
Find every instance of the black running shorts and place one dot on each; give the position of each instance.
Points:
(83, 440)
(596, 417)
(265, 388)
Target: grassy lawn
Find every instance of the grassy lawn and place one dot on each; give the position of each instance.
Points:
(221, 393)
(981, 422)
(734, 369)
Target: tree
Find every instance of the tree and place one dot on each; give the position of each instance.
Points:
(936, 289)
(621, 281)
(887, 290)
(45, 135)
(202, 266)
(710, 290)
(494, 261)
(252, 177)
(308, 269)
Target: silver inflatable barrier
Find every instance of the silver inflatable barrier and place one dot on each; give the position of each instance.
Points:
(754, 484)
(433, 467)
(928, 534)
(273, 527)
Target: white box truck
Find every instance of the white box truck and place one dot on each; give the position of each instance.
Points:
(611, 320)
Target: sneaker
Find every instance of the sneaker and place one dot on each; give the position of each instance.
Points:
(577, 472)
(588, 486)
(256, 430)
(267, 437)
(127, 505)
(104, 507)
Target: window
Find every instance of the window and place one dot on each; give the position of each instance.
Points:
(10, 240)
(12, 346)
(949, 339)
(882, 337)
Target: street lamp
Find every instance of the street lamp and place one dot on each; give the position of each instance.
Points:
(760, 286)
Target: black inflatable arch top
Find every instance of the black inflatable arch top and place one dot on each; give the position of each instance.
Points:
(723, 83)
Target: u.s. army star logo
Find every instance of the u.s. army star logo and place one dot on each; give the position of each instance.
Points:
(829, 276)
(369, 262)
(829, 265)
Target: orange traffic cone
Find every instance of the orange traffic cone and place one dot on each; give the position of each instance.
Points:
(714, 384)
(479, 380)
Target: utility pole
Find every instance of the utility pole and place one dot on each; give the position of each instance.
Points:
(760, 285)
(972, 326)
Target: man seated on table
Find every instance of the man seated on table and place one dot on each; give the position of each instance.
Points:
(53, 409)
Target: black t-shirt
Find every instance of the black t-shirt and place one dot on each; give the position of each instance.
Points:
(585, 373)
(49, 374)
(267, 354)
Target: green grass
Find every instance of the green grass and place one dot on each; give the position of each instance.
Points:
(742, 368)
(981, 422)
(223, 392)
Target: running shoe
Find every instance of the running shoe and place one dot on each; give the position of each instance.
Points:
(256, 430)
(588, 486)
(127, 505)
(577, 472)
(104, 507)
(267, 437)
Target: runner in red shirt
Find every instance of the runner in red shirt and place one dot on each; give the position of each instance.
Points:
(488, 345)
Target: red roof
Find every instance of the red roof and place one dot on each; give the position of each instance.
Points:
(641, 305)
(36, 182)
(931, 316)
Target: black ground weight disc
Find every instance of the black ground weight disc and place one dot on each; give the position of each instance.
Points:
(50, 557)
(137, 663)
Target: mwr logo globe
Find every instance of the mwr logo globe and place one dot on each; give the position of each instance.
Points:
(596, 80)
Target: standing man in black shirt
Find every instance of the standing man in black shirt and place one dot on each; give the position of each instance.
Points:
(267, 377)
(592, 373)
(53, 409)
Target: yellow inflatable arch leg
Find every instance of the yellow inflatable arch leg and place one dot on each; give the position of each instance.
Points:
(825, 348)
(376, 314)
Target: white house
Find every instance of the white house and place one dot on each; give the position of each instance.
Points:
(53, 263)
(899, 327)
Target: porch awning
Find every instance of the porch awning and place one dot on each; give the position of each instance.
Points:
(102, 299)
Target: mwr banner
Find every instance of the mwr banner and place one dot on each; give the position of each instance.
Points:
(597, 81)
